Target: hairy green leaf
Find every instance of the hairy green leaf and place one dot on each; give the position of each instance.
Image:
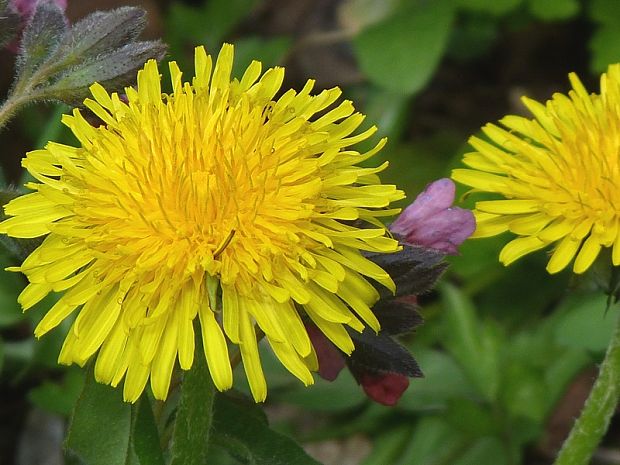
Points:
(42, 36)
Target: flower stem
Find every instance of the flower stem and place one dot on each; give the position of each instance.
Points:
(9, 108)
(592, 424)
(190, 440)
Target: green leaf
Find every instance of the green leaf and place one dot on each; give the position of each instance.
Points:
(523, 392)
(554, 10)
(190, 439)
(112, 69)
(59, 397)
(355, 15)
(388, 446)
(584, 324)
(473, 344)
(325, 396)
(432, 441)
(209, 24)
(268, 51)
(485, 451)
(472, 418)
(443, 381)
(101, 32)
(241, 427)
(101, 425)
(495, 7)
(42, 36)
(401, 52)
(604, 11)
(605, 47)
(144, 435)
(11, 285)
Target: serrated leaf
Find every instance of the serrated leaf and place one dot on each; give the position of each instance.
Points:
(100, 406)
(378, 353)
(42, 36)
(401, 52)
(241, 428)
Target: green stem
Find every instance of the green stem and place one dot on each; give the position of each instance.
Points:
(190, 440)
(592, 424)
(10, 107)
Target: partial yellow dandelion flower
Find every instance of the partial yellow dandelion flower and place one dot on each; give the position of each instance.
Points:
(217, 192)
(559, 174)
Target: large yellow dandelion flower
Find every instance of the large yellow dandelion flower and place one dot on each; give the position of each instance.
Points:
(217, 192)
(559, 173)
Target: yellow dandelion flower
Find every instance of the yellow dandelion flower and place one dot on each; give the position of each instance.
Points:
(559, 174)
(217, 192)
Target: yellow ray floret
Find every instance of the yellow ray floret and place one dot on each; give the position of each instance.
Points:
(219, 206)
(558, 174)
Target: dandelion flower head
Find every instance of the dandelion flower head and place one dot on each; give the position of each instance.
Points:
(558, 174)
(219, 203)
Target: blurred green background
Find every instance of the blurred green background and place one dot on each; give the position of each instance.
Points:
(509, 354)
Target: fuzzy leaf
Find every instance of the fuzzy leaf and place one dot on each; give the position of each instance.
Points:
(42, 36)
(397, 316)
(414, 269)
(103, 31)
(114, 70)
(378, 353)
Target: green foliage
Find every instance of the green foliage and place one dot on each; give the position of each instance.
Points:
(500, 345)
(241, 428)
(605, 42)
(105, 430)
(401, 52)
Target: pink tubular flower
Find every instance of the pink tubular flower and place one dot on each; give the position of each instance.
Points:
(384, 388)
(431, 220)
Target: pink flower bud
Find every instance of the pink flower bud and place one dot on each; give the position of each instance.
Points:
(431, 220)
(384, 388)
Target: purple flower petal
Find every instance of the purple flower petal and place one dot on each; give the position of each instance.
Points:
(432, 222)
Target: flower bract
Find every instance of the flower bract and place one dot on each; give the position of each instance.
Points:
(557, 175)
(225, 206)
